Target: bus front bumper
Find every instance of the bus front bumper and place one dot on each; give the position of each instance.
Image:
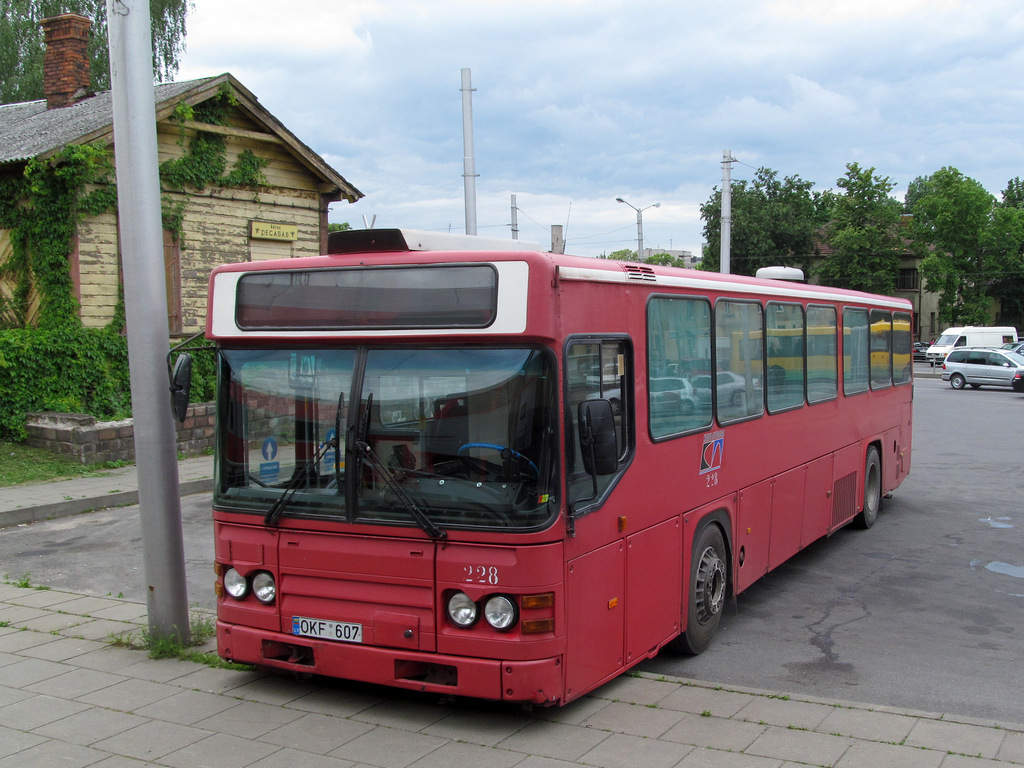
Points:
(536, 681)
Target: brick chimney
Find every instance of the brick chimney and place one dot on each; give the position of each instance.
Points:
(66, 61)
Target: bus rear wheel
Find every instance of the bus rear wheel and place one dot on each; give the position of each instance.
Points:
(707, 591)
(872, 489)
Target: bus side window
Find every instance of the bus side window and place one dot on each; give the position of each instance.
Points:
(678, 362)
(822, 354)
(902, 348)
(739, 364)
(881, 349)
(856, 351)
(784, 329)
(597, 369)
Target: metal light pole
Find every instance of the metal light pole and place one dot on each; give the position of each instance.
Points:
(725, 251)
(145, 306)
(639, 225)
(468, 161)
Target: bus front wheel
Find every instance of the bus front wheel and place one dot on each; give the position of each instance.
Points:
(707, 591)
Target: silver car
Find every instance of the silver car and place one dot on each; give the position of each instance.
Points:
(981, 367)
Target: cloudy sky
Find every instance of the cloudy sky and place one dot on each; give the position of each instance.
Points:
(578, 102)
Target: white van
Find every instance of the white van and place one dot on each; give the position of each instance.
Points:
(969, 336)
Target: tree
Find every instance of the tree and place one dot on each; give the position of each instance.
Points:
(1013, 195)
(864, 234)
(658, 259)
(917, 189)
(968, 243)
(1009, 288)
(624, 255)
(21, 42)
(773, 223)
(666, 260)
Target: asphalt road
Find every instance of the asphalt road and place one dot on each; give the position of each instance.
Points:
(925, 610)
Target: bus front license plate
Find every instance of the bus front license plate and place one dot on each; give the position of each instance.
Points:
(341, 631)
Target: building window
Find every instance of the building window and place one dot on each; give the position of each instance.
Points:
(172, 276)
(908, 279)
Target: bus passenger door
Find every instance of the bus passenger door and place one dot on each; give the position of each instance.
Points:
(595, 616)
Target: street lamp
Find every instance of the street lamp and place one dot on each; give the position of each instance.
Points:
(639, 225)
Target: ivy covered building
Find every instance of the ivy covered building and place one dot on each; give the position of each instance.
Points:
(237, 186)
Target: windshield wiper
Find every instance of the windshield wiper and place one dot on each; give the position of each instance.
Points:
(302, 472)
(424, 522)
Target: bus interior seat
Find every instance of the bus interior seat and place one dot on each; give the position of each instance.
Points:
(448, 430)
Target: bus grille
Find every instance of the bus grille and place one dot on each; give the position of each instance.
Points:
(844, 499)
(636, 272)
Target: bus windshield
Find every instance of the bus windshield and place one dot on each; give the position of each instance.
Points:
(439, 438)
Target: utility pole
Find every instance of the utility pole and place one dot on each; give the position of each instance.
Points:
(557, 239)
(725, 262)
(468, 161)
(515, 219)
(145, 298)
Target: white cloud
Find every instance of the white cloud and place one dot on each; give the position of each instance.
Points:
(580, 101)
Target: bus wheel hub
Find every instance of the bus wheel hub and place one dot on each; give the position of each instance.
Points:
(709, 589)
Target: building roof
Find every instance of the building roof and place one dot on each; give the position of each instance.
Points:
(30, 130)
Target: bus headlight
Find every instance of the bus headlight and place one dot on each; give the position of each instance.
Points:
(461, 610)
(235, 584)
(263, 587)
(500, 612)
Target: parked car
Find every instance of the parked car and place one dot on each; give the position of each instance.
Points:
(671, 395)
(1015, 346)
(921, 351)
(970, 336)
(980, 366)
(1017, 385)
(732, 389)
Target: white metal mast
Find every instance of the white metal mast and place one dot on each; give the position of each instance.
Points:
(726, 251)
(468, 161)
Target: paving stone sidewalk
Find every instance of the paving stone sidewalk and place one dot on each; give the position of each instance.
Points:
(71, 696)
(21, 504)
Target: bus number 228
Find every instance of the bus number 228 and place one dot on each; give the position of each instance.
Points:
(481, 574)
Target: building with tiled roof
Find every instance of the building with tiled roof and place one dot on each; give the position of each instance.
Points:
(217, 221)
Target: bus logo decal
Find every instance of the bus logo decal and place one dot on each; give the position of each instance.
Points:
(711, 455)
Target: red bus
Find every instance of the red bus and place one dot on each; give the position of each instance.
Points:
(510, 474)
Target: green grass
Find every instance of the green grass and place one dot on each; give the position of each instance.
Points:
(20, 464)
(202, 627)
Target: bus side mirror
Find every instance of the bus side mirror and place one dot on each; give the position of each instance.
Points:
(181, 385)
(598, 441)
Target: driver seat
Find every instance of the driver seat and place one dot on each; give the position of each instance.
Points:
(448, 430)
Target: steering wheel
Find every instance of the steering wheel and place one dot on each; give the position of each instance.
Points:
(501, 449)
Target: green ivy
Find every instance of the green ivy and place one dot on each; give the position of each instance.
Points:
(248, 171)
(75, 370)
(67, 369)
(49, 361)
(204, 162)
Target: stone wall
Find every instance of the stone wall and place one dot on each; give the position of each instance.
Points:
(93, 442)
